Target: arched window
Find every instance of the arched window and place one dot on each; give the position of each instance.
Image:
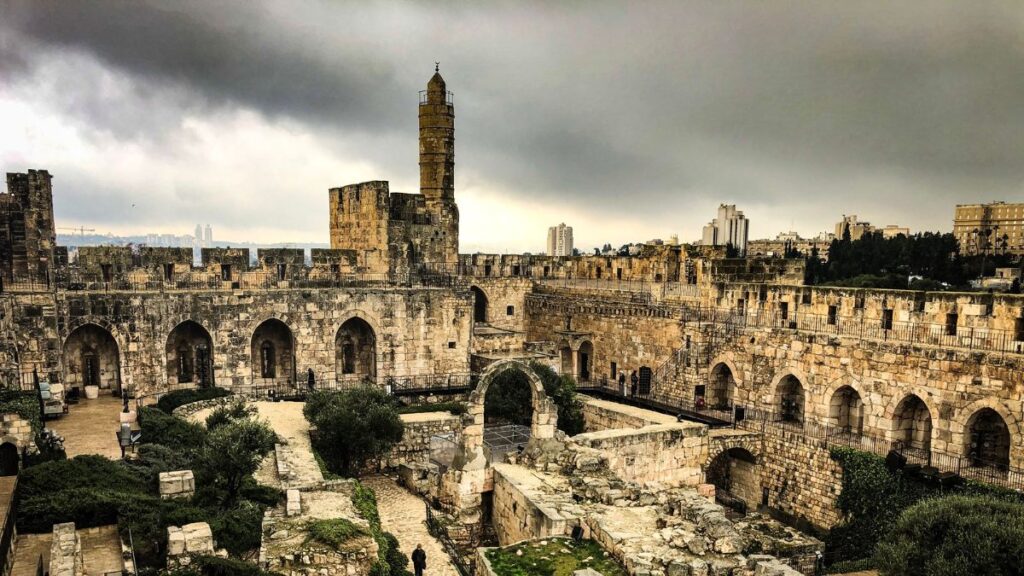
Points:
(790, 398)
(90, 368)
(268, 366)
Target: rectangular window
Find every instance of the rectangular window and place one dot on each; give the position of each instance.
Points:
(282, 271)
(833, 314)
(614, 372)
(741, 307)
(806, 298)
(919, 305)
(618, 273)
(784, 310)
(951, 321)
(169, 272)
(451, 344)
(225, 272)
(547, 270)
(487, 270)
(515, 270)
(335, 269)
(1018, 329)
(510, 310)
(887, 319)
(105, 269)
(858, 302)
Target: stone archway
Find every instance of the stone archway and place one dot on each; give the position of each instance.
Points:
(92, 357)
(355, 349)
(189, 355)
(912, 423)
(470, 455)
(736, 474)
(479, 305)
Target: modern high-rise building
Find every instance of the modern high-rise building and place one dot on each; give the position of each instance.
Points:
(995, 227)
(560, 240)
(730, 227)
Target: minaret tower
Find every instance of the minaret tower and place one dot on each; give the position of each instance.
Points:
(437, 142)
(437, 170)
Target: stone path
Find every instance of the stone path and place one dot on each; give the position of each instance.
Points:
(28, 549)
(403, 514)
(297, 454)
(101, 550)
(90, 427)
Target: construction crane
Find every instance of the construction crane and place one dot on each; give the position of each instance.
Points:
(81, 230)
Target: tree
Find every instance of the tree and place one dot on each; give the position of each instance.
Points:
(232, 452)
(510, 398)
(353, 426)
(954, 536)
(561, 388)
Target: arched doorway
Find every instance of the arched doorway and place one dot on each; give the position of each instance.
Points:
(846, 411)
(543, 414)
(479, 305)
(736, 476)
(988, 440)
(789, 399)
(355, 348)
(722, 385)
(92, 358)
(508, 414)
(584, 361)
(9, 459)
(912, 424)
(190, 355)
(273, 354)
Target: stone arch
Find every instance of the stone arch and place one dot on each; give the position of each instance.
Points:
(272, 353)
(913, 422)
(584, 361)
(968, 416)
(91, 355)
(355, 348)
(189, 355)
(480, 304)
(846, 408)
(542, 427)
(722, 383)
(736, 474)
(789, 393)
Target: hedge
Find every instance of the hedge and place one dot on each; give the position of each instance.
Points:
(168, 402)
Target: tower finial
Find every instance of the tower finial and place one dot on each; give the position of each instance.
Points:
(437, 66)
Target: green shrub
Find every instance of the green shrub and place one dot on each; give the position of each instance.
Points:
(391, 560)
(87, 471)
(24, 403)
(872, 498)
(86, 507)
(353, 426)
(333, 532)
(231, 453)
(158, 427)
(225, 413)
(239, 529)
(395, 559)
(260, 494)
(955, 536)
(561, 388)
(168, 402)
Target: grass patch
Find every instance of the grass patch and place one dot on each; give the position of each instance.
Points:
(334, 532)
(553, 557)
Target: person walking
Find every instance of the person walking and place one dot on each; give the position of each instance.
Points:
(622, 383)
(634, 381)
(419, 560)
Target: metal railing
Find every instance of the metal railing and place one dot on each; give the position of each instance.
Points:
(905, 332)
(500, 440)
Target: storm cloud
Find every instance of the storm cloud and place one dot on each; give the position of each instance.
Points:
(626, 121)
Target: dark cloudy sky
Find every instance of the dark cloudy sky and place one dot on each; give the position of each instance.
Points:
(626, 120)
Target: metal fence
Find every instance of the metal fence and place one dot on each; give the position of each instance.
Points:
(458, 540)
(500, 440)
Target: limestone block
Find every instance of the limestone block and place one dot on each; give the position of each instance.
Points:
(127, 417)
(198, 538)
(175, 541)
(92, 392)
(294, 504)
(177, 484)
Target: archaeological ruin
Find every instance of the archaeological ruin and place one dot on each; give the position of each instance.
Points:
(703, 378)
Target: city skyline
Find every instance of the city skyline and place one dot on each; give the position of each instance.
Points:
(731, 110)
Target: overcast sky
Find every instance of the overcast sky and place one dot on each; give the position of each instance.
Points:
(628, 122)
